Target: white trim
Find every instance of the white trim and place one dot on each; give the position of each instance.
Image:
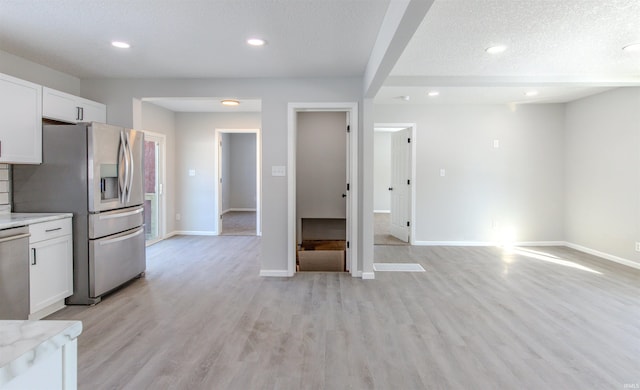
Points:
(382, 211)
(603, 255)
(368, 275)
(162, 215)
(274, 273)
(194, 233)
(258, 209)
(351, 108)
(488, 243)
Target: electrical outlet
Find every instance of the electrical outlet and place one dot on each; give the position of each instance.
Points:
(637, 246)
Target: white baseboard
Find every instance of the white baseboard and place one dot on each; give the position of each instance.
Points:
(382, 211)
(603, 255)
(192, 233)
(274, 273)
(236, 209)
(368, 275)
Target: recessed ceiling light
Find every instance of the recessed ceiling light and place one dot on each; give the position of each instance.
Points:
(632, 47)
(433, 93)
(256, 41)
(229, 102)
(495, 49)
(120, 44)
(531, 93)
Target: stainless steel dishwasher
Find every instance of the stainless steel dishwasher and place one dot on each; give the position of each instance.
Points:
(14, 273)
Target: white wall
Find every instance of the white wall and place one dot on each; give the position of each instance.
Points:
(242, 176)
(381, 170)
(161, 120)
(275, 94)
(196, 149)
(603, 173)
(39, 74)
(515, 192)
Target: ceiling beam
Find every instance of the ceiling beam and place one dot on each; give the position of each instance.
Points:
(400, 23)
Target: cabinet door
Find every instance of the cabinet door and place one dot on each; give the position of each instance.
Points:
(51, 272)
(59, 105)
(20, 121)
(92, 111)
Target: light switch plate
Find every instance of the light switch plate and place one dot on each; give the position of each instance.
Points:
(192, 172)
(278, 170)
(443, 172)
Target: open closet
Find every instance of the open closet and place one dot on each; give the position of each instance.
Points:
(321, 191)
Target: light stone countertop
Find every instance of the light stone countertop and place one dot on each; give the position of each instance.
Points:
(24, 343)
(22, 219)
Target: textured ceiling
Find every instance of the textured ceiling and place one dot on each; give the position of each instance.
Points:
(194, 38)
(565, 49)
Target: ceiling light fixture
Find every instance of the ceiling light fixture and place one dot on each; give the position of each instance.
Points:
(120, 44)
(632, 47)
(229, 102)
(495, 49)
(433, 93)
(256, 42)
(531, 93)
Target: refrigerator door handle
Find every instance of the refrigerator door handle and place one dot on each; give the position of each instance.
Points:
(127, 167)
(122, 159)
(131, 168)
(120, 215)
(121, 238)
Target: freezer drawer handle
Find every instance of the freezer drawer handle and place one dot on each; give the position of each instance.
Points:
(128, 236)
(16, 237)
(52, 230)
(118, 215)
(34, 256)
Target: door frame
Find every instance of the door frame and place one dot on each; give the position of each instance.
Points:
(401, 126)
(218, 187)
(351, 108)
(162, 175)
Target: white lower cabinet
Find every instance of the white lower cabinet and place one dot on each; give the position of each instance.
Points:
(51, 269)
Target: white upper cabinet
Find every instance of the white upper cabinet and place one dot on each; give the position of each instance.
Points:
(65, 107)
(20, 121)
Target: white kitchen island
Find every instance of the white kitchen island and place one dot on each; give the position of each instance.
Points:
(39, 354)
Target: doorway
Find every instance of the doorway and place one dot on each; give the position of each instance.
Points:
(154, 179)
(238, 182)
(394, 184)
(348, 193)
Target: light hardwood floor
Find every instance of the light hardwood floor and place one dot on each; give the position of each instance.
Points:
(479, 318)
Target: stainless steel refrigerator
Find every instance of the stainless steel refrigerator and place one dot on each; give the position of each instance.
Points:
(95, 171)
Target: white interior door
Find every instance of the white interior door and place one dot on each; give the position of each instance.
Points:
(400, 184)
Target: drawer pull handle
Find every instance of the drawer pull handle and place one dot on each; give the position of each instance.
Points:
(52, 230)
(34, 256)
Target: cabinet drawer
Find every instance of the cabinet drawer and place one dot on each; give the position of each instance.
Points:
(51, 229)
